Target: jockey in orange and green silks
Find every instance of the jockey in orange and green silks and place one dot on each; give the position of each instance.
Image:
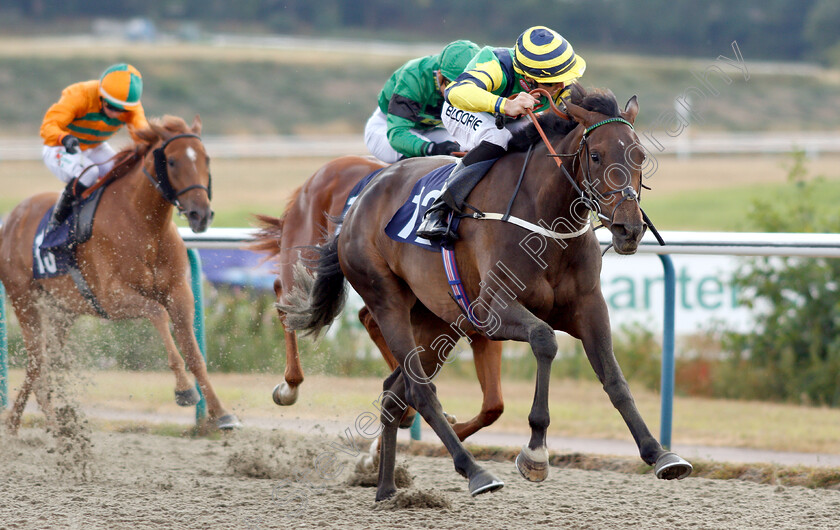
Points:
(76, 128)
(407, 122)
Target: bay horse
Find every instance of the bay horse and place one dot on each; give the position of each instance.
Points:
(523, 285)
(306, 222)
(135, 262)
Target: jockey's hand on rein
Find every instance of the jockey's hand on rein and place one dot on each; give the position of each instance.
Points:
(441, 148)
(519, 104)
(71, 144)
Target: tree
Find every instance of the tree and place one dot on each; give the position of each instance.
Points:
(794, 352)
(821, 29)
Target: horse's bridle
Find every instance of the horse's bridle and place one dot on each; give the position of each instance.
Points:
(161, 180)
(586, 194)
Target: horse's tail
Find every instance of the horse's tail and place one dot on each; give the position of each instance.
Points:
(314, 305)
(267, 239)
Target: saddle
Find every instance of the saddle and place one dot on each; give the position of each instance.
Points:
(76, 229)
(54, 254)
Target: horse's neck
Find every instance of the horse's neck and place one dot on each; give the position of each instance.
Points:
(146, 202)
(557, 200)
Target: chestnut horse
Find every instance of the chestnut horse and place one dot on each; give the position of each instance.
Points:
(305, 223)
(135, 263)
(521, 290)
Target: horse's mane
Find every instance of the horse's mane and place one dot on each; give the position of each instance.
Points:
(597, 100)
(128, 157)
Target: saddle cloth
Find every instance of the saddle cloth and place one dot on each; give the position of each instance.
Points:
(406, 221)
(53, 254)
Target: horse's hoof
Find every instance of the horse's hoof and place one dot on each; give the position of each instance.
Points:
(228, 422)
(364, 463)
(369, 461)
(670, 466)
(285, 395)
(386, 494)
(450, 418)
(533, 463)
(484, 482)
(188, 397)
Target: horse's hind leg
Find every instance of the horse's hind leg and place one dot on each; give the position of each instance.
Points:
(487, 356)
(393, 405)
(30, 326)
(593, 328)
(391, 303)
(54, 333)
(286, 393)
(375, 335)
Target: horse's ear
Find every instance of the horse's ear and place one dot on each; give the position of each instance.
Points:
(580, 114)
(631, 110)
(196, 125)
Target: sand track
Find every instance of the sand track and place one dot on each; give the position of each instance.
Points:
(258, 479)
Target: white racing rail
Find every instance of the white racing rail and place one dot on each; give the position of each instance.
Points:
(698, 243)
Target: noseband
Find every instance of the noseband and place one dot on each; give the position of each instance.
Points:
(161, 180)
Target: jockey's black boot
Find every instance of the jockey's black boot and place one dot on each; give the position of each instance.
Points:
(461, 182)
(65, 202)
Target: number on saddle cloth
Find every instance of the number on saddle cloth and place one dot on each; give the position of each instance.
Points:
(403, 225)
(54, 253)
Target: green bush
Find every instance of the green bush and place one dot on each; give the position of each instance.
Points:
(794, 352)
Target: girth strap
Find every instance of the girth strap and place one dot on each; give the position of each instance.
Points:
(531, 226)
(85, 290)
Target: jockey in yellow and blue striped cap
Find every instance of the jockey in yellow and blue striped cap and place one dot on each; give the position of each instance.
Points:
(545, 56)
(492, 85)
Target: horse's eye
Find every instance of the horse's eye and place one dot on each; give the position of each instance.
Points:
(595, 157)
(171, 162)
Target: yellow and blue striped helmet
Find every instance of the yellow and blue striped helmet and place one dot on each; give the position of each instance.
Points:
(121, 85)
(545, 56)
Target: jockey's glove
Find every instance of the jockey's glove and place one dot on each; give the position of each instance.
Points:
(71, 144)
(441, 148)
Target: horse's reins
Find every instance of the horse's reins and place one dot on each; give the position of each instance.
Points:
(161, 179)
(627, 193)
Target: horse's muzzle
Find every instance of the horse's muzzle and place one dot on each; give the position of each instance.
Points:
(199, 219)
(626, 237)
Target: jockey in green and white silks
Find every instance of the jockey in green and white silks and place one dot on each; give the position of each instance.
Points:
(542, 59)
(406, 122)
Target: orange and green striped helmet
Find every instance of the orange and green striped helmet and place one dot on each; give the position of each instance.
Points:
(545, 56)
(121, 85)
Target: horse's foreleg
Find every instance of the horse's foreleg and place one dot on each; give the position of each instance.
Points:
(594, 331)
(185, 393)
(517, 323)
(182, 312)
(487, 356)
